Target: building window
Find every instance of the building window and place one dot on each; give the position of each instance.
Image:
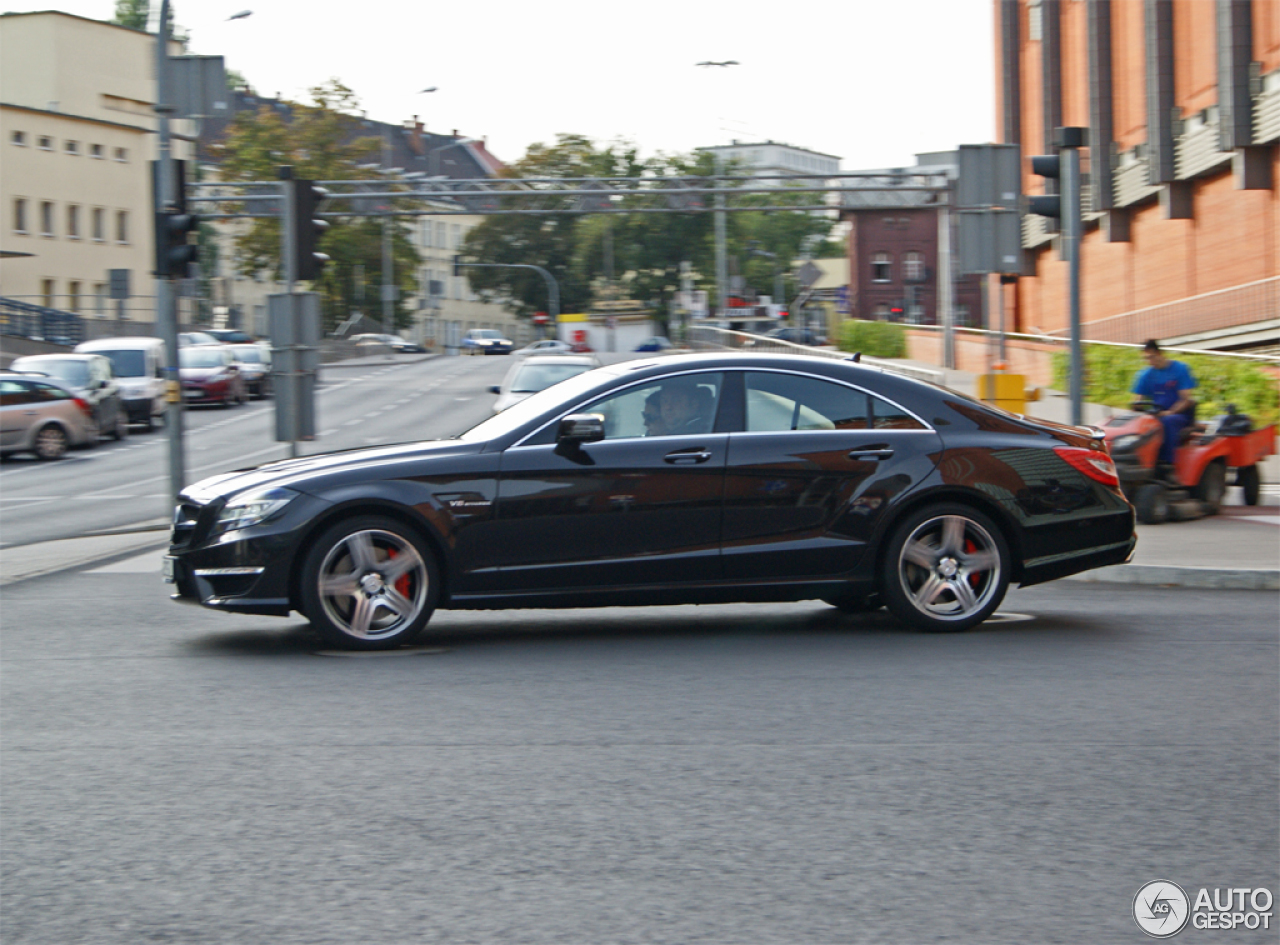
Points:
(19, 215)
(73, 302)
(426, 234)
(95, 151)
(121, 154)
(122, 226)
(881, 312)
(99, 224)
(913, 266)
(46, 293)
(880, 268)
(457, 238)
(100, 298)
(19, 138)
(46, 218)
(44, 143)
(72, 147)
(1035, 21)
(442, 235)
(73, 222)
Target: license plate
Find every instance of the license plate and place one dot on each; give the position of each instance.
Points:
(167, 568)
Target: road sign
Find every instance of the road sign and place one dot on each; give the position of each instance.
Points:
(808, 274)
(990, 175)
(540, 318)
(119, 283)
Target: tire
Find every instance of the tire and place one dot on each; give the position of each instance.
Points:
(121, 430)
(946, 568)
(855, 603)
(353, 594)
(1152, 504)
(1250, 481)
(1211, 487)
(50, 442)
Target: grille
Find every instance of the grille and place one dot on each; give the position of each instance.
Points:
(185, 518)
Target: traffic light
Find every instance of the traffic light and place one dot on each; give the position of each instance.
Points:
(1048, 166)
(896, 311)
(308, 228)
(174, 251)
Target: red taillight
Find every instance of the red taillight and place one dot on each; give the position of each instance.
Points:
(1093, 463)
(84, 407)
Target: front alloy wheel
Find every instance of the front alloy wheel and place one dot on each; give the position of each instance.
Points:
(947, 568)
(369, 584)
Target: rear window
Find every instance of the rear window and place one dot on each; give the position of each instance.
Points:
(73, 372)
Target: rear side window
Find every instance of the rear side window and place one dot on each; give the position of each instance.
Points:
(46, 392)
(15, 393)
(777, 402)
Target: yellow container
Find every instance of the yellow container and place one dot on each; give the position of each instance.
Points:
(1006, 390)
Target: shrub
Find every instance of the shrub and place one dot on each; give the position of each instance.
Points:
(874, 339)
(1110, 372)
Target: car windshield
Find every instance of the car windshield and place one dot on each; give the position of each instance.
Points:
(519, 414)
(485, 333)
(535, 377)
(73, 372)
(131, 362)
(200, 357)
(249, 354)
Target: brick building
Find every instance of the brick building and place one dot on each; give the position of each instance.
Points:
(1181, 99)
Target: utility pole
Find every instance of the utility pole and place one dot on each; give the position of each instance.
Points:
(722, 259)
(388, 280)
(166, 308)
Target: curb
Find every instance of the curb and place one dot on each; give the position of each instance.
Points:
(24, 562)
(1238, 579)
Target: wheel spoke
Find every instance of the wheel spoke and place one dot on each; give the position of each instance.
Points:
(920, 553)
(978, 561)
(339, 585)
(363, 557)
(397, 603)
(964, 596)
(953, 535)
(398, 566)
(361, 615)
(928, 592)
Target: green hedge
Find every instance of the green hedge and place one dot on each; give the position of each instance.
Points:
(874, 339)
(1110, 372)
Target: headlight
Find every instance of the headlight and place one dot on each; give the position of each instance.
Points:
(252, 508)
(1126, 442)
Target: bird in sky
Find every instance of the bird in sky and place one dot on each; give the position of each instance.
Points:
(727, 62)
(240, 16)
(431, 89)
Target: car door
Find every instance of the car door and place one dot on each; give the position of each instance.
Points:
(814, 469)
(631, 509)
(17, 411)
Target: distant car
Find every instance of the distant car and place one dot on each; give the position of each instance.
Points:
(581, 347)
(40, 415)
(138, 364)
(197, 338)
(545, 346)
(656, 343)
(486, 341)
(394, 342)
(210, 375)
(230, 336)
(89, 377)
(254, 361)
(538, 373)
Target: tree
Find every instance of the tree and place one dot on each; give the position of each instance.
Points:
(321, 141)
(132, 13)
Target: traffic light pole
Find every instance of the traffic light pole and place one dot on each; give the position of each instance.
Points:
(166, 308)
(1071, 246)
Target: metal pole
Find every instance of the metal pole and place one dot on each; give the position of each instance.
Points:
(388, 319)
(722, 259)
(289, 256)
(1071, 243)
(947, 316)
(166, 309)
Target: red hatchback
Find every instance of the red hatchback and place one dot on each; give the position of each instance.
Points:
(210, 375)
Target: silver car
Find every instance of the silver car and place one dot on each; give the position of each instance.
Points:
(254, 361)
(539, 372)
(39, 415)
(89, 377)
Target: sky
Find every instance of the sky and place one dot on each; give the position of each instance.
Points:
(872, 82)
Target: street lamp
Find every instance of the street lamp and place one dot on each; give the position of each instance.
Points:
(722, 259)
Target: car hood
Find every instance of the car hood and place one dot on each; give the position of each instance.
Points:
(297, 473)
(198, 373)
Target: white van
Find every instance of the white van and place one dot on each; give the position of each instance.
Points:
(138, 363)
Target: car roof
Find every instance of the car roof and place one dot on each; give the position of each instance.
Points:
(61, 356)
(36, 376)
(124, 341)
(561, 359)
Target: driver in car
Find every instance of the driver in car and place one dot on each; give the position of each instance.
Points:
(682, 410)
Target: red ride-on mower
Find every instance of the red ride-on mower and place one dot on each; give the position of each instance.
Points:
(1198, 480)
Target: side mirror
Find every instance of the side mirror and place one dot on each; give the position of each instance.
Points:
(580, 428)
(495, 389)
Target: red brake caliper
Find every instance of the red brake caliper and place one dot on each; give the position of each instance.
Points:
(402, 582)
(970, 548)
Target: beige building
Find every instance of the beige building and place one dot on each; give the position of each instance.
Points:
(77, 135)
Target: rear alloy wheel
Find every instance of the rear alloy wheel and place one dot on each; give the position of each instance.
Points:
(369, 583)
(51, 442)
(946, 569)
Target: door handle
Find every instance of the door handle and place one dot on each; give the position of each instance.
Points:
(688, 457)
(872, 452)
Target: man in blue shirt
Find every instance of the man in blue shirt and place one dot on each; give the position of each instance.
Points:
(1168, 385)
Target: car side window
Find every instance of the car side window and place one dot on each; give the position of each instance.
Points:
(15, 393)
(49, 392)
(794, 402)
(886, 416)
(674, 406)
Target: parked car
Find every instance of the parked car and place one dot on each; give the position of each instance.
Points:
(539, 372)
(90, 378)
(790, 478)
(210, 375)
(40, 415)
(138, 364)
(486, 341)
(230, 336)
(798, 336)
(545, 346)
(394, 342)
(197, 338)
(656, 343)
(254, 362)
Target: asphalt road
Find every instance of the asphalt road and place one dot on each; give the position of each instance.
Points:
(121, 485)
(746, 774)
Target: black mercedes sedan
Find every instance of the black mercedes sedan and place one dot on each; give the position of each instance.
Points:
(686, 479)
